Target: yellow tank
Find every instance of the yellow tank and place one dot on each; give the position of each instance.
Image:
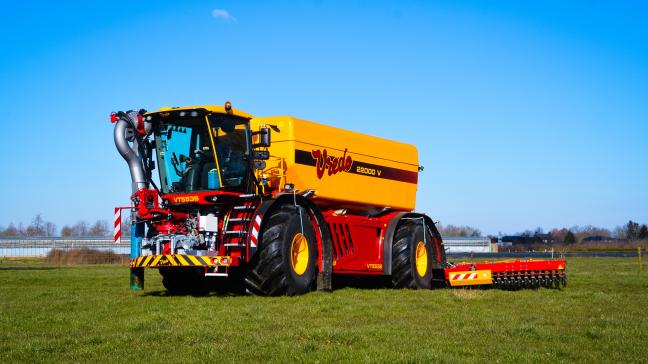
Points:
(346, 169)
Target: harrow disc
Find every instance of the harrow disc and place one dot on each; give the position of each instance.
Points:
(512, 281)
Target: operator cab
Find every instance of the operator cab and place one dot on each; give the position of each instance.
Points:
(202, 150)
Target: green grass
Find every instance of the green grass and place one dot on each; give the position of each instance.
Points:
(88, 314)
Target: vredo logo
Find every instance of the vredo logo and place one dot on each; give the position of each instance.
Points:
(332, 164)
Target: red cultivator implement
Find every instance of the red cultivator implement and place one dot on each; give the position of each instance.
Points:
(509, 275)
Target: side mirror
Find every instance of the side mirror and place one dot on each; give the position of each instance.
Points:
(264, 138)
(261, 155)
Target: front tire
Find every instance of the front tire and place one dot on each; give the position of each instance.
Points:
(286, 262)
(412, 259)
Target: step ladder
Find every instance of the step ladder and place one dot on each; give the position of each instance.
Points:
(237, 224)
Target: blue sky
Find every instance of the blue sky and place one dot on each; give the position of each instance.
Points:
(525, 113)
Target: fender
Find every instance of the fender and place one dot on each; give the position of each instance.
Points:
(390, 232)
(324, 277)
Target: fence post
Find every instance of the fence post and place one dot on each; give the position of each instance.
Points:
(136, 274)
(640, 260)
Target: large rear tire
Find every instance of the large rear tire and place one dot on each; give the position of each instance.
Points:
(412, 258)
(286, 262)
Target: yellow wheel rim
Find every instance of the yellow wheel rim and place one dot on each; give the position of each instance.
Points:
(299, 254)
(421, 259)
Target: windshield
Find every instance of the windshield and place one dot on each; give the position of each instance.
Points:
(186, 158)
(232, 148)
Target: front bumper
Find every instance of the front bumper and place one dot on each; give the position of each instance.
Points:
(180, 260)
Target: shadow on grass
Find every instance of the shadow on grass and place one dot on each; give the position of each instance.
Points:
(28, 268)
(361, 282)
(165, 293)
(339, 283)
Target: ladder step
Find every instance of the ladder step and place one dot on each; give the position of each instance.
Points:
(215, 274)
(238, 219)
(238, 232)
(234, 244)
(243, 207)
(248, 195)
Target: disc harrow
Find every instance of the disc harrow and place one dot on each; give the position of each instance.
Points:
(509, 275)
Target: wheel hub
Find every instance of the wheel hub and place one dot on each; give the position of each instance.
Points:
(299, 254)
(421, 259)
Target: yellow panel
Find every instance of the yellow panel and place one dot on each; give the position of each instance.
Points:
(363, 171)
(470, 278)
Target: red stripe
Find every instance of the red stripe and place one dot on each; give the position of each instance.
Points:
(117, 226)
(117, 217)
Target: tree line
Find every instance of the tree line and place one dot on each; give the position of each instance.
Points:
(455, 230)
(631, 231)
(39, 227)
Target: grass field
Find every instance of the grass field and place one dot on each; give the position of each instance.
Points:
(87, 314)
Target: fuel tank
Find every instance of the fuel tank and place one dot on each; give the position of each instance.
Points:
(347, 170)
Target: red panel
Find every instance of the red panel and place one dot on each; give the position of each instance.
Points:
(357, 242)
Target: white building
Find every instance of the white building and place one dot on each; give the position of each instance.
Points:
(465, 244)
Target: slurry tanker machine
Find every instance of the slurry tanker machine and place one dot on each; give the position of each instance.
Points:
(236, 208)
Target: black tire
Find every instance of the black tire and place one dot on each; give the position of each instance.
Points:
(185, 280)
(404, 269)
(271, 271)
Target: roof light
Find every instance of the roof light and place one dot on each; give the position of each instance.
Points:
(183, 113)
(194, 114)
(140, 124)
(113, 117)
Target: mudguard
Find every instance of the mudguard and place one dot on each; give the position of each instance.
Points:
(391, 232)
(324, 277)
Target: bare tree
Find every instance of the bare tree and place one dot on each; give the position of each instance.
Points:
(126, 226)
(38, 223)
(632, 229)
(527, 233)
(49, 228)
(570, 238)
(37, 226)
(582, 232)
(10, 231)
(452, 230)
(80, 229)
(643, 232)
(620, 232)
(100, 228)
(67, 231)
(21, 231)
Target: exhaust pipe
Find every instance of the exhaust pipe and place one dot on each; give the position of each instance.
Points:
(125, 131)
